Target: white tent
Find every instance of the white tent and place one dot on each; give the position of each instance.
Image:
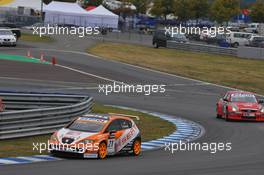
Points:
(72, 13)
(65, 13)
(100, 16)
(64, 7)
(33, 4)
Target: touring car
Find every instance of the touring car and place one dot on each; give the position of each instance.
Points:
(238, 105)
(7, 38)
(97, 136)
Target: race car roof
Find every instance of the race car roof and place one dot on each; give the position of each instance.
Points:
(108, 117)
(97, 116)
(240, 92)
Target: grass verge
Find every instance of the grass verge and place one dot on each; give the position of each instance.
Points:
(21, 59)
(36, 38)
(151, 128)
(225, 70)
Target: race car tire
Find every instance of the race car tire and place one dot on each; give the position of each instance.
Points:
(136, 147)
(218, 116)
(102, 150)
(226, 116)
(235, 45)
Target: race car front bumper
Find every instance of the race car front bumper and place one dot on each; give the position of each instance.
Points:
(9, 43)
(68, 151)
(243, 116)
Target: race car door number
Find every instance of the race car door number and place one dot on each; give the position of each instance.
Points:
(111, 146)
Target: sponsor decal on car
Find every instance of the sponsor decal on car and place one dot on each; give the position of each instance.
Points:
(127, 137)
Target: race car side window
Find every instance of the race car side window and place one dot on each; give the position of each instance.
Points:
(125, 124)
(114, 126)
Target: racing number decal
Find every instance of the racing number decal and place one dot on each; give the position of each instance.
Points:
(111, 143)
(224, 105)
(224, 108)
(111, 146)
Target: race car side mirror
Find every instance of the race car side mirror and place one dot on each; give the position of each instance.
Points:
(261, 101)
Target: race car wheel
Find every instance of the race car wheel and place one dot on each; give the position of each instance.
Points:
(102, 151)
(226, 116)
(136, 147)
(236, 44)
(218, 116)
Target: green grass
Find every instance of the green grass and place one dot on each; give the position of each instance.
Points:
(151, 128)
(36, 38)
(20, 58)
(225, 70)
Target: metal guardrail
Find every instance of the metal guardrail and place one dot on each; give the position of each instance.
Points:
(251, 53)
(36, 114)
(202, 48)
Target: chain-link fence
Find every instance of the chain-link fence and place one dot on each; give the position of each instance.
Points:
(11, 15)
(131, 37)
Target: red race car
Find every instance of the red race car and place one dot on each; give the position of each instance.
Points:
(238, 105)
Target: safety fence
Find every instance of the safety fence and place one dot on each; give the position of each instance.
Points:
(202, 48)
(36, 114)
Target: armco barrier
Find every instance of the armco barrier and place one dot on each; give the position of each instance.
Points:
(202, 48)
(251, 52)
(35, 114)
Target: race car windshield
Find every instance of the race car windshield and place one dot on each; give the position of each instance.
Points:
(244, 98)
(5, 32)
(86, 126)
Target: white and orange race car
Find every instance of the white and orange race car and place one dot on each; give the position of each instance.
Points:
(97, 136)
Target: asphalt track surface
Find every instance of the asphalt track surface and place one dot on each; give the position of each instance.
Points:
(185, 98)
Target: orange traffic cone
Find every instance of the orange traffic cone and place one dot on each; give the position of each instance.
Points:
(54, 62)
(29, 55)
(42, 57)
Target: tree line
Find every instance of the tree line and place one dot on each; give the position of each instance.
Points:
(220, 11)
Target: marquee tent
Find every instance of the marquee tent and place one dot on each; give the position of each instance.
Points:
(73, 14)
(65, 13)
(102, 16)
(33, 4)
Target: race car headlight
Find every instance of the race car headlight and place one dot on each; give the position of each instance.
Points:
(262, 110)
(235, 108)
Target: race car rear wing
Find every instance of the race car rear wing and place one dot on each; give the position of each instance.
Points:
(126, 115)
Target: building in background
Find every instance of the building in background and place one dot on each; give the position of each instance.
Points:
(21, 12)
